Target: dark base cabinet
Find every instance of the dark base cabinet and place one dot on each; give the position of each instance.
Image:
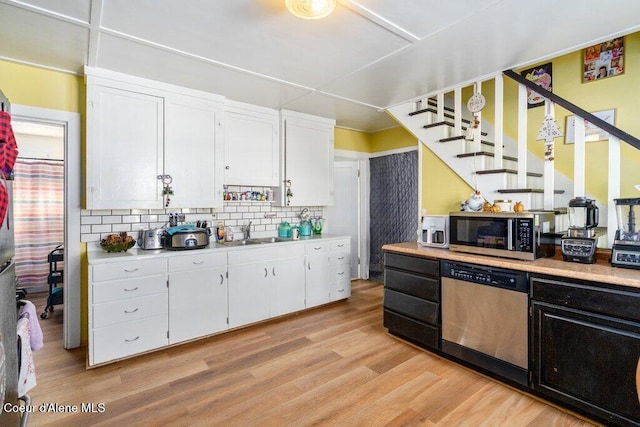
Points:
(412, 299)
(586, 348)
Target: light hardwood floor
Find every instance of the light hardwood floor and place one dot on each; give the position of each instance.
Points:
(334, 365)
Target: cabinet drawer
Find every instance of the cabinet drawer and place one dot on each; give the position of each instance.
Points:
(339, 258)
(123, 289)
(412, 284)
(116, 341)
(111, 313)
(340, 272)
(197, 261)
(316, 247)
(416, 308)
(127, 269)
(340, 289)
(429, 267)
(413, 330)
(340, 245)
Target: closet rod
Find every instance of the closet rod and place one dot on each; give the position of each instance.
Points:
(40, 158)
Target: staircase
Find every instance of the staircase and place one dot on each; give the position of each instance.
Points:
(503, 168)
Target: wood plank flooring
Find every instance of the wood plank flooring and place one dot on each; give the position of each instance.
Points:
(334, 366)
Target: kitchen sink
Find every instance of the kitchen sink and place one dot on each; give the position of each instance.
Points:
(259, 241)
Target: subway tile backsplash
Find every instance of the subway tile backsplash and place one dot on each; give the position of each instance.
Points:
(265, 217)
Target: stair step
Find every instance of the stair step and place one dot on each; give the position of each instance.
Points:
(511, 171)
(434, 111)
(462, 138)
(485, 153)
(526, 190)
(432, 125)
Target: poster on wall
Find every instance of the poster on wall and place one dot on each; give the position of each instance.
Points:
(540, 75)
(603, 60)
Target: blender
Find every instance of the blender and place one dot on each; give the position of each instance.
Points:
(626, 247)
(581, 240)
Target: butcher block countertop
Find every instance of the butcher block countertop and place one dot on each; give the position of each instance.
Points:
(601, 271)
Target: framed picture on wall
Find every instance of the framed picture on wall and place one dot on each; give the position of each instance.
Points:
(540, 75)
(603, 60)
(592, 133)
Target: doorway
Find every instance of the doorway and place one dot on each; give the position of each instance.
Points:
(38, 201)
(70, 122)
(393, 204)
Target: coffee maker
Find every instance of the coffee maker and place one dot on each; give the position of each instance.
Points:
(434, 231)
(626, 247)
(581, 240)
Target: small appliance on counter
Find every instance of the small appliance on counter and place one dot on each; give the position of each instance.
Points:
(581, 240)
(186, 237)
(151, 239)
(434, 231)
(626, 247)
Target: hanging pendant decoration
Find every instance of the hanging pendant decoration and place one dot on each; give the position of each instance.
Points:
(475, 104)
(549, 131)
(167, 190)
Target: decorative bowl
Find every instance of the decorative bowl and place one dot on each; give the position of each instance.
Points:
(117, 247)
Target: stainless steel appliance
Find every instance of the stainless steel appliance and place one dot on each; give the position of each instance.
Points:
(626, 247)
(485, 314)
(434, 231)
(581, 240)
(515, 235)
(151, 239)
(179, 238)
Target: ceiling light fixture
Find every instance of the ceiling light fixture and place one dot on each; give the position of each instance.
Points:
(310, 9)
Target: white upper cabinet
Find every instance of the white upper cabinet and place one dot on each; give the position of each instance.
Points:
(139, 131)
(193, 156)
(251, 145)
(125, 137)
(307, 146)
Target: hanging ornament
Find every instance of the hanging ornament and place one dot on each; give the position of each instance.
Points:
(167, 190)
(549, 131)
(475, 104)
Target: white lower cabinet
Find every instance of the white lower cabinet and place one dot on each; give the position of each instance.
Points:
(197, 295)
(128, 309)
(138, 305)
(265, 282)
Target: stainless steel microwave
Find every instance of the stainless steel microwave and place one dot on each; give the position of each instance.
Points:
(503, 234)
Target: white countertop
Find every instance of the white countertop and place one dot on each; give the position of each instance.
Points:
(96, 255)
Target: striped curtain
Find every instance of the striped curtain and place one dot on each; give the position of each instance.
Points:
(38, 211)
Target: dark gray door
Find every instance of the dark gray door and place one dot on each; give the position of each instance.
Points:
(393, 204)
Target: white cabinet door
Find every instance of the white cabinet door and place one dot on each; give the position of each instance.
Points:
(317, 279)
(124, 146)
(193, 151)
(288, 286)
(197, 303)
(251, 145)
(249, 293)
(308, 148)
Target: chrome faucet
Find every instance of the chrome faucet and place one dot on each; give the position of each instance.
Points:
(247, 234)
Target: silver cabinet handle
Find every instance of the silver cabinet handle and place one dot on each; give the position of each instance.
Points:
(341, 245)
(309, 266)
(197, 262)
(131, 290)
(341, 273)
(341, 290)
(273, 271)
(221, 279)
(638, 379)
(132, 340)
(318, 248)
(131, 311)
(340, 257)
(131, 270)
(266, 272)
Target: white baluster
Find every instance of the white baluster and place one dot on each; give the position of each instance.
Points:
(498, 132)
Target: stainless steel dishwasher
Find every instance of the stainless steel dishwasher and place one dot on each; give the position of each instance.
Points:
(485, 318)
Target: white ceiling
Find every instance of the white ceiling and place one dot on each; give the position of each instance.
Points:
(367, 56)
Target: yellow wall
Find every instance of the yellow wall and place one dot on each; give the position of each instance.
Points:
(619, 93)
(352, 140)
(36, 87)
(392, 139)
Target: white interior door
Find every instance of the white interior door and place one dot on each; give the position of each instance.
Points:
(343, 216)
